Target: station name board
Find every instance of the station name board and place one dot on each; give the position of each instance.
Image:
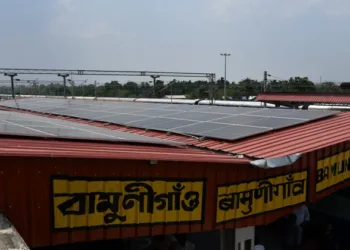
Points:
(81, 203)
(333, 170)
(242, 200)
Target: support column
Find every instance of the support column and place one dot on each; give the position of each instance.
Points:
(64, 76)
(227, 239)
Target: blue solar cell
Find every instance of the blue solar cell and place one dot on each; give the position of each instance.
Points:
(160, 123)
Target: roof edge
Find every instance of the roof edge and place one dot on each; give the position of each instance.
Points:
(276, 162)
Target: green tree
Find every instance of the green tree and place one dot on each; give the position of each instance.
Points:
(328, 87)
(300, 84)
(248, 87)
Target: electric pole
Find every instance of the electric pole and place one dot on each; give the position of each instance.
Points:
(12, 75)
(265, 84)
(265, 81)
(225, 55)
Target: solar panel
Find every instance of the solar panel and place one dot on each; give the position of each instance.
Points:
(156, 112)
(91, 115)
(26, 124)
(199, 128)
(123, 118)
(29, 107)
(10, 129)
(182, 107)
(124, 110)
(160, 123)
(273, 112)
(228, 110)
(51, 110)
(67, 112)
(273, 122)
(239, 119)
(209, 121)
(234, 132)
(306, 114)
(197, 116)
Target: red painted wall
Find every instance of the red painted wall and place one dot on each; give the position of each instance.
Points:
(26, 196)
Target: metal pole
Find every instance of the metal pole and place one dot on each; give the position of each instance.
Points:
(265, 83)
(73, 95)
(225, 55)
(225, 80)
(64, 83)
(12, 86)
(171, 93)
(64, 87)
(95, 90)
(211, 91)
(154, 86)
(222, 240)
(12, 75)
(265, 80)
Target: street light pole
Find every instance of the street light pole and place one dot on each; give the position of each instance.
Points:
(12, 75)
(64, 83)
(225, 55)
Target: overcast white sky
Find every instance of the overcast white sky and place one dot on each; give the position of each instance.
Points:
(286, 37)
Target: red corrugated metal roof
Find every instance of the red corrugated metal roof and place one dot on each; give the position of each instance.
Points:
(50, 148)
(299, 139)
(343, 98)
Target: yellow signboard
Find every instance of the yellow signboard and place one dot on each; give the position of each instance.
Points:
(333, 170)
(84, 203)
(242, 200)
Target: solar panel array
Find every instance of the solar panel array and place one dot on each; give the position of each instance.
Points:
(31, 125)
(204, 121)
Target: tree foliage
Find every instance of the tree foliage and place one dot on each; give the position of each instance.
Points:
(191, 89)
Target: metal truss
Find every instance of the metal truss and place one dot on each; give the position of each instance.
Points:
(210, 76)
(66, 72)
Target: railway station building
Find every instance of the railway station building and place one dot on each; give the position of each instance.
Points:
(68, 177)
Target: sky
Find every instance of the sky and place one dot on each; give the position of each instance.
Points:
(285, 37)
